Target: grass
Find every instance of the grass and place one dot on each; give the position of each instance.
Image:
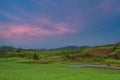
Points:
(113, 61)
(10, 70)
(14, 59)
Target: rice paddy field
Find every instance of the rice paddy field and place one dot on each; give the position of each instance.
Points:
(10, 69)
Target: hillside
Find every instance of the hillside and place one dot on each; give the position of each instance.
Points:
(66, 53)
(106, 49)
(6, 48)
(72, 47)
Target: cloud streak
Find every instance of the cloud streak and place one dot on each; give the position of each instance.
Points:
(19, 31)
(11, 17)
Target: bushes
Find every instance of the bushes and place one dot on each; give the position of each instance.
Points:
(114, 55)
(35, 56)
(115, 52)
(84, 55)
(97, 59)
(2, 53)
(19, 50)
(11, 52)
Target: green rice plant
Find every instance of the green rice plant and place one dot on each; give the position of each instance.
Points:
(17, 71)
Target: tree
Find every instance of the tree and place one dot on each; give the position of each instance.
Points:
(11, 52)
(116, 54)
(35, 56)
(86, 53)
(2, 53)
(19, 50)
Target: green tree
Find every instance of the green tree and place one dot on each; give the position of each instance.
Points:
(35, 56)
(11, 52)
(19, 50)
(2, 53)
(116, 54)
(86, 53)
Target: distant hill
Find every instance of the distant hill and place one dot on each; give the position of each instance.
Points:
(6, 48)
(72, 47)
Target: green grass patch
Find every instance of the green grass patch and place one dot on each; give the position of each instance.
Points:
(14, 59)
(113, 61)
(17, 71)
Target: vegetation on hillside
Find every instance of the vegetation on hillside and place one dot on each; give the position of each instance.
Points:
(88, 54)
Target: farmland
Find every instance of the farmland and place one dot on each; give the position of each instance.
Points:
(57, 64)
(16, 71)
(11, 69)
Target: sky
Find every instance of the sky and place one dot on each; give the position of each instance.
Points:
(58, 23)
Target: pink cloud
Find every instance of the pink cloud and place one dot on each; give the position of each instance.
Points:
(39, 23)
(34, 27)
(63, 28)
(13, 32)
(43, 21)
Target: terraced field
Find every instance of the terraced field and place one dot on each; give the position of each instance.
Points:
(10, 70)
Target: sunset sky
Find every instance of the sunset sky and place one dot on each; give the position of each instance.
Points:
(58, 23)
